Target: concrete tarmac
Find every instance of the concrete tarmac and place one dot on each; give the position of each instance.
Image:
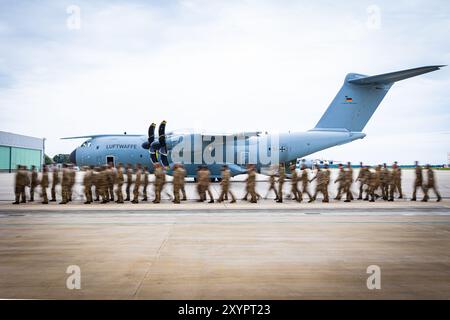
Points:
(226, 251)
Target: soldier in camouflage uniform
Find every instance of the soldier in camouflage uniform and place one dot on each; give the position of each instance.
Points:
(119, 183)
(55, 181)
(294, 184)
(182, 181)
(363, 178)
(281, 178)
(384, 181)
(111, 179)
(341, 180)
(95, 182)
(374, 183)
(397, 177)
(21, 181)
(87, 184)
(322, 184)
(129, 172)
(145, 184)
(305, 180)
(103, 184)
(348, 180)
(65, 184)
(272, 184)
(431, 184)
(204, 182)
(44, 184)
(137, 184)
(392, 184)
(225, 183)
(160, 180)
(34, 182)
(72, 176)
(177, 176)
(418, 182)
(251, 183)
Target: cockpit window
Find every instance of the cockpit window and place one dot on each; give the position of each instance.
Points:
(86, 144)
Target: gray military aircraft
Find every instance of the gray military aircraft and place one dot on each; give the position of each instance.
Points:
(342, 122)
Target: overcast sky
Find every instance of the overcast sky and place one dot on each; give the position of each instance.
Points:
(223, 66)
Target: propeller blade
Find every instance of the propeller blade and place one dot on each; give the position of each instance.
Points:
(162, 134)
(151, 136)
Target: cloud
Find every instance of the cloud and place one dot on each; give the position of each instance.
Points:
(214, 65)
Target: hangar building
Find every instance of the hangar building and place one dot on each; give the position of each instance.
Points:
(18, 149)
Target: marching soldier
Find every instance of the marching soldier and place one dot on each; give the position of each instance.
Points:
(96, 182)
(418, 182)
(44, 184)
(34, 182)
(341, 180)
(129, 172)
(182, 181)
(72, 175)
(305, 180)
(145, 184)
(271, 185)
(384, 181)
(281, 178)
(119, 183)
(322, 184)
(431, 184)
(294, 184)
(21, 180)
(137, 184)
(374, 183)
(111, 179)
(348, 180)
(397, 177)
(87, 183)
(160, 180)
(204, 183)
(65, 184)
(363, 178)
(251, 183)
(177, 176)
(55, 181)
(103, 184)
(392, 184)
(225, 183)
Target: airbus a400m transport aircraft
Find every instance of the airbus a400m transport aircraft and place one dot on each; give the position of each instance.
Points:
(342, 122)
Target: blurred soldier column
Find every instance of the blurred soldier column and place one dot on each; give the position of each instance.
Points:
(159, 182)
(176, 183)
(251, 183)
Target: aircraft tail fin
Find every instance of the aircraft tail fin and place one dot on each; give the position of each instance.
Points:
(360, 96)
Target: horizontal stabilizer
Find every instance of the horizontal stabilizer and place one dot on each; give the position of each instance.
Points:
(394, 76)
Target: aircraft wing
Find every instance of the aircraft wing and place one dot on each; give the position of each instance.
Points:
(102, 135)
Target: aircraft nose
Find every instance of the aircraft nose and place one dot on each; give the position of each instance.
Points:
(73, 157)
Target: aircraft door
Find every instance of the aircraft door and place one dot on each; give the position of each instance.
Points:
(110, 159)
